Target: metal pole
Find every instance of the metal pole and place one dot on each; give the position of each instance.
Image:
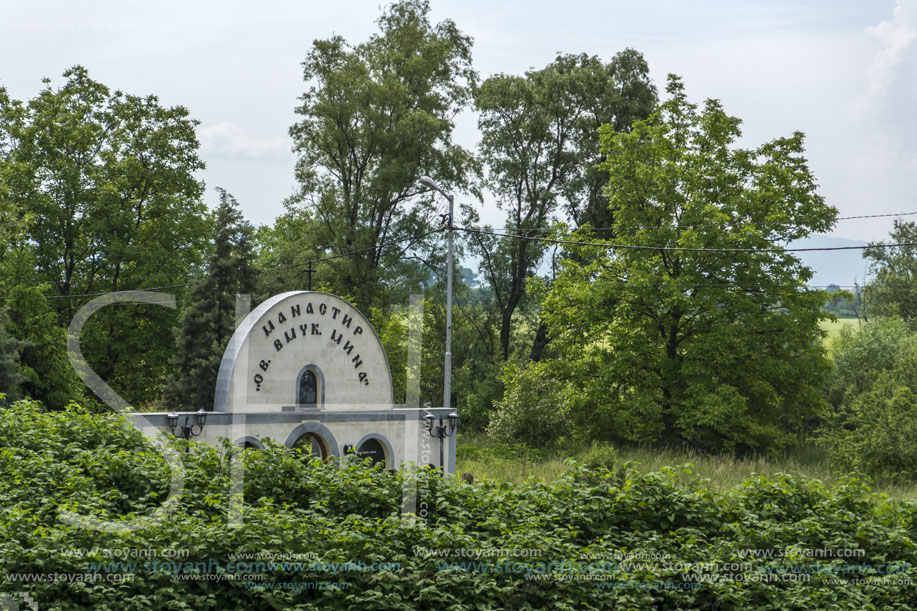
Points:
(442, 440)
(447, 369)
(447, 374)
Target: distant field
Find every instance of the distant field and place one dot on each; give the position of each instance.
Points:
(834, 328)
(514, 464)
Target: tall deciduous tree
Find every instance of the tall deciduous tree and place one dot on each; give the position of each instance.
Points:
(540, 145)
(720, 350)
(893, 289)
(376, 117)
(109, 179)
(209, 319)
(614, 94)
(13, 220)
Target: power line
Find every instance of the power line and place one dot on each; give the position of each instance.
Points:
(518, 237)
(873, 216)
(264, 270)
(510, 235)
(153, 288)
(721, 284)
(311, 262)
(638, 227)
(355, 252)
(676, 248)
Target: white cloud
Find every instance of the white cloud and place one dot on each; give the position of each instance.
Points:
(897, 41)
(226, 139)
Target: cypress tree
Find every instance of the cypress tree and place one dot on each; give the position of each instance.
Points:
(208, 320)
(9, 375)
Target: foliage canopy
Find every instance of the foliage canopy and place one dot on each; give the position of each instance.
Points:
(719, 350)
(540, 146)
(378, 115)
(893, 288)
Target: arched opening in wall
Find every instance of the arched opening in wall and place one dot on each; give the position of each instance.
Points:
(371, 448)
(313, 445)
(310, 387)
(248, 443)
(242, 444)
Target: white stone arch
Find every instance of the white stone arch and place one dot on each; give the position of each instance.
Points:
(386, 447)
(262, 360)
(241, 441)
(314, 428)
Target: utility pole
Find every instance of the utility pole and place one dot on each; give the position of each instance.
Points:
(447, 370)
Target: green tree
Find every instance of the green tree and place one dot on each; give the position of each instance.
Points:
(615, 94)
(108, 176)
(478, 363)
(533, 410)
(540, 145)
(13, 220)
(109, 180)
(871, 425)
(893, 289)
(47, 375)
(376, 117)
(282, 250)
(844, 304)
(720, 350)
(210, 316)
(9, 374)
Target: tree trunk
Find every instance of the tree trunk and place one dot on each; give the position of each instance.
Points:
(540, 342)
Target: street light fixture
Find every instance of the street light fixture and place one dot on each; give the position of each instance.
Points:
(186, 430)
(447, 370)
(440, 432)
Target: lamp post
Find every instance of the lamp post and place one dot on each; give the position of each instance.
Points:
(441, 431)
(447, 369)
(186, 430)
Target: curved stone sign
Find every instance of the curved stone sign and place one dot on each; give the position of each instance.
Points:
(302, 350)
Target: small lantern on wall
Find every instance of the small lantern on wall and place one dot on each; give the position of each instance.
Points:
(188, 429)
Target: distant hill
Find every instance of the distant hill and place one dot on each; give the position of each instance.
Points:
(839, 267)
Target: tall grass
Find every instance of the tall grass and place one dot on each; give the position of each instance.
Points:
(483, 458)
(834, 327)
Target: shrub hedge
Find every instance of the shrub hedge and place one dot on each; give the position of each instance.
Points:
(596, 539)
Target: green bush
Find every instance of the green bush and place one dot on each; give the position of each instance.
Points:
(532, 408)
(596, 539)
(859, 354)
(872, 426)
(600, 456)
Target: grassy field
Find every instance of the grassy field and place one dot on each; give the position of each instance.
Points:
(834, 328)
(484, 459)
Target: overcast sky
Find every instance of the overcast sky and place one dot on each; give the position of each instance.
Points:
(842, 71)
